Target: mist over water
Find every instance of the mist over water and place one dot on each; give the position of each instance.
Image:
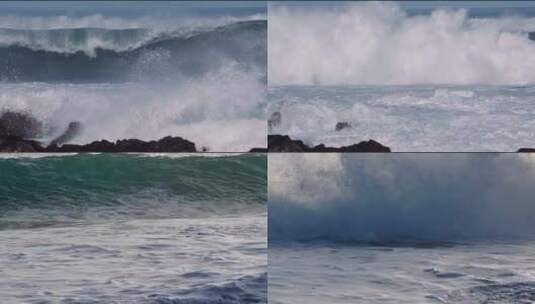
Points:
(380, 43)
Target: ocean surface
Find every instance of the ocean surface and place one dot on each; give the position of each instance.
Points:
(441, 77)
(424, 118)
(181, 72)
(133, 228)
(401, 228)
(482, 272)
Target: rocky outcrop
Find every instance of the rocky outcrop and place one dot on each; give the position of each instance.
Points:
(526, 150)
(283, 143)
(166, 144)
(11, 143)
(258, 150)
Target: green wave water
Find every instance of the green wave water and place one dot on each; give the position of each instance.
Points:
(34, 191)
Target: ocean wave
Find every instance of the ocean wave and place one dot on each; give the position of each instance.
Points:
(55, 190)
(513, 292)
(403, 198)
(222, 111)
(247, 289)
(380, 43)
(426, 118)
(99, 54)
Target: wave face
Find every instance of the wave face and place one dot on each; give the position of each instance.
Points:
(380, 43)
(401, 197)
(56, 189)
(89, 54)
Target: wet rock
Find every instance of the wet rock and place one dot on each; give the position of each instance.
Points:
(342, 125)
(167, 144)
(283, 143)
(173, 144)
(11, 144)
(258, 150)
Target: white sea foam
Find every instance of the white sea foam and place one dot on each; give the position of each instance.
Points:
(222, 111)
(409, 118)
(379, 43)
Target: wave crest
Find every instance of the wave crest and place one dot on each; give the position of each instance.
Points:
(374, 198)
(379, 43)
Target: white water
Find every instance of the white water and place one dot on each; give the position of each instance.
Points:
(379, 43)
(431, 118)
(140, 261)
(222, 111)
(467, 274)
(401, 228)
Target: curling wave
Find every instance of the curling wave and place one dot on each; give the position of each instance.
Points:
(98, 54)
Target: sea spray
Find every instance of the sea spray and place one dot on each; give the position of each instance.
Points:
(380, 43)
(400, 197)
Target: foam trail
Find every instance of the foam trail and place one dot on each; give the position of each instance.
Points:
(379, 43)
(401, 197)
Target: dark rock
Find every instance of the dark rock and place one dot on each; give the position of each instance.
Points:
(73, 129)
(283, 143)
(166, 144)
(365, 146)
(12, 143)
(274, 120)
(526, 150)
(99, 146)
(258, 150)
(531, 36)
(173, 144)
(342, 125)
(131, 145)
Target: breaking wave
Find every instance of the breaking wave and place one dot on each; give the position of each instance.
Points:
(401, 197)
(90, 54)
(380, 43)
